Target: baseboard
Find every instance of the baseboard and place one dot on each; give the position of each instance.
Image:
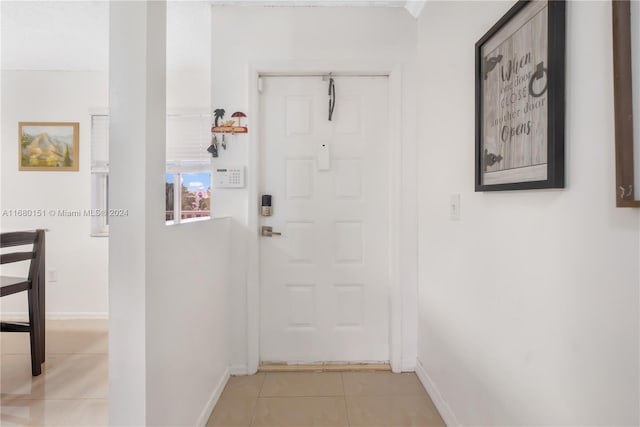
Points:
(324, 367)
(211, 403)
(238, 370)
(443, 407)
(18, 316)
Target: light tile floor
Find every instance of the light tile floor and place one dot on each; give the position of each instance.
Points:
(327, 399)
(72, 390)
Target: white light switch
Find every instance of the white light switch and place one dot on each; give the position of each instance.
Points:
(53, 276)
(324, 157)
(454, 207)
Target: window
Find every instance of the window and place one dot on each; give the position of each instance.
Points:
(188, 170)
(193, 191)
(188, 175)
(99, 175)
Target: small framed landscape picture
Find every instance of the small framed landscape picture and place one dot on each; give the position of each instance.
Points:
(46, 146)
(520, 85)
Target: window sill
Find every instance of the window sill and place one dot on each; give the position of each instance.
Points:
(189, 220)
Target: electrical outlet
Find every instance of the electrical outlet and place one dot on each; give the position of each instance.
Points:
(454, 207)
(53, 276)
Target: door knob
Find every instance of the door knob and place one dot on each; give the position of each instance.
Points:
(268, 231)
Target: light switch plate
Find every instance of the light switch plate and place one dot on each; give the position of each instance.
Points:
(52, 276)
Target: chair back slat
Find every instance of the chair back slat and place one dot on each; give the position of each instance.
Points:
(16, 257)
(18, 238)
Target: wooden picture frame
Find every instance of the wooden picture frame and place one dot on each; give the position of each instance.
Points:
(520, 99)
(623, 85)
(48, 146)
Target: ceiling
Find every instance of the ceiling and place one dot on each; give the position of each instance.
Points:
(44, 35)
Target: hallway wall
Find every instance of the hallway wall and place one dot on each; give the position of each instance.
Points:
(529, 305)
(315, 37)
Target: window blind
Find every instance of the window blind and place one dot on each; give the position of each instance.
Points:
(188, 137)
(100, 143)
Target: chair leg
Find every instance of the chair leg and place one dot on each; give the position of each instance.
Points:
(41, 313)
(34, 332)
(41, 295)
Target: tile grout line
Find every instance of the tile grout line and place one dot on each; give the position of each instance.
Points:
(344, 399)
(264, 379)
(255, 407)
(57, 354)
(253, 414)
(16, 400)
(314, 396)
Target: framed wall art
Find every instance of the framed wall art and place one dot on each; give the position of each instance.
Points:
(520, 99)
(626, 88)
(44, 146)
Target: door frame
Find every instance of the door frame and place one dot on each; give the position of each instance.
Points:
(394, 73)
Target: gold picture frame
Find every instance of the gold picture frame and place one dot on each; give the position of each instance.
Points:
(48, 146)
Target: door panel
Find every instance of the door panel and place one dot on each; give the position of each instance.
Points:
(324, 282)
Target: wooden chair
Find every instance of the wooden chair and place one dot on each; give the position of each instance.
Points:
(33, 284)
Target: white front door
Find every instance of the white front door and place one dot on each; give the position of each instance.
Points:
(325, 280)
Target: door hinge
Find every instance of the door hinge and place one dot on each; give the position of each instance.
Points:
(259, 84)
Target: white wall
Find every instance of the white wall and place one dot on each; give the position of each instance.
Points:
(79, 259)
(284, 36)
(187, 321)
(67, 44)
(62, 35)
(168, 284)
(529, 305)
(74, 35)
